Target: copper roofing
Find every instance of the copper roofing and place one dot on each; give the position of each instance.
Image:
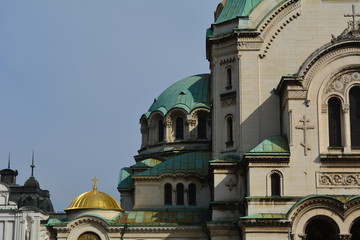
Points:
(148, 218)
(196, 162)
(236, 8)
(188, 94)
(275, 145)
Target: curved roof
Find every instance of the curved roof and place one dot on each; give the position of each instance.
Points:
(94, 200)
(196, 162)
(236, 8)
(32, 182)
(188, 94)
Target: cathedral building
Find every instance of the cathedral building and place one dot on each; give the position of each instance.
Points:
(264, 146)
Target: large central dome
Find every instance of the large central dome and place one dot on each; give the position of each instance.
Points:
(94, 200)
(187, 94)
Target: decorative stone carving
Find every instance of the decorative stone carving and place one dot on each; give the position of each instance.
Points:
(340, 83)
(191, 122)
(324, 108)
(248, 46)
(305, 127)
(339, 179)
(353, 29)
(230, 184)
(227, 60)
(228, 99)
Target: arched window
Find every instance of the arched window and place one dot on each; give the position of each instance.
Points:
(180, 194)
(161, 130)
(179, 128)
(192, 194)
(334, 106)
(201, 129)
(275, 184)
(229, 130)
(228, 78)
(89, 236)
(168, 194)
(355, 229)
(322, 227)
(354, 97)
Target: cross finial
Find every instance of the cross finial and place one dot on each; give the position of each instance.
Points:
(32, 164)
(95, 185)
(353, 16)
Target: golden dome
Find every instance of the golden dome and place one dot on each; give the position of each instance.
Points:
(94, 200)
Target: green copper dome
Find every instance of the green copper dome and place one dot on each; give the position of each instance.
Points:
(236, 8)
(187, 94)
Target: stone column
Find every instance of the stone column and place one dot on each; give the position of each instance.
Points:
(168, 129)
(186, 197)
(346, 129)
(345, 236)
(190, 131)
(302, 236)
(173, 197)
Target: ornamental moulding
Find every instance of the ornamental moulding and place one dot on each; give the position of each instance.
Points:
(327, 180)
(340, 83)
(163, 229)
(227, 60)
(169, 175)
(317, 203)
(275, 19)
(326, 54)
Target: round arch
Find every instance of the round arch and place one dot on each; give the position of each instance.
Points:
(321, 228)
(88, 225)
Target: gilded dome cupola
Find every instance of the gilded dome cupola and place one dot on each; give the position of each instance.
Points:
(94, 200)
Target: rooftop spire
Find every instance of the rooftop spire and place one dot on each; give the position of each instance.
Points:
(95, 185)
(9, 161)
(32, 165)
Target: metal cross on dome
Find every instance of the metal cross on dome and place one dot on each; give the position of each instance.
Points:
(95, 185)
(353, 16)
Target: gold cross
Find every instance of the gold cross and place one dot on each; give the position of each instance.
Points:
(353, 16)
(95, 185)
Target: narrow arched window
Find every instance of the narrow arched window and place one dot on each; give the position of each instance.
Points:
(161, 130)
(180, 194)
(192, 194)
(179, 128)
(228, 78)
(229, 130)
(275, 184)
(201, 130)
(354, 96)
(168, 194)
(334, 106)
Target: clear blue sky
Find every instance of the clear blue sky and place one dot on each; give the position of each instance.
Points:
(76, 75)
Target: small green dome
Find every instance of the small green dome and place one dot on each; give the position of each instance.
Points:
(231, 9)
(187, 94)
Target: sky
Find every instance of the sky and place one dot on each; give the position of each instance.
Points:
(76, 76)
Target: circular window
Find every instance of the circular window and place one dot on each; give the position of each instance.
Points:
(89, 236)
